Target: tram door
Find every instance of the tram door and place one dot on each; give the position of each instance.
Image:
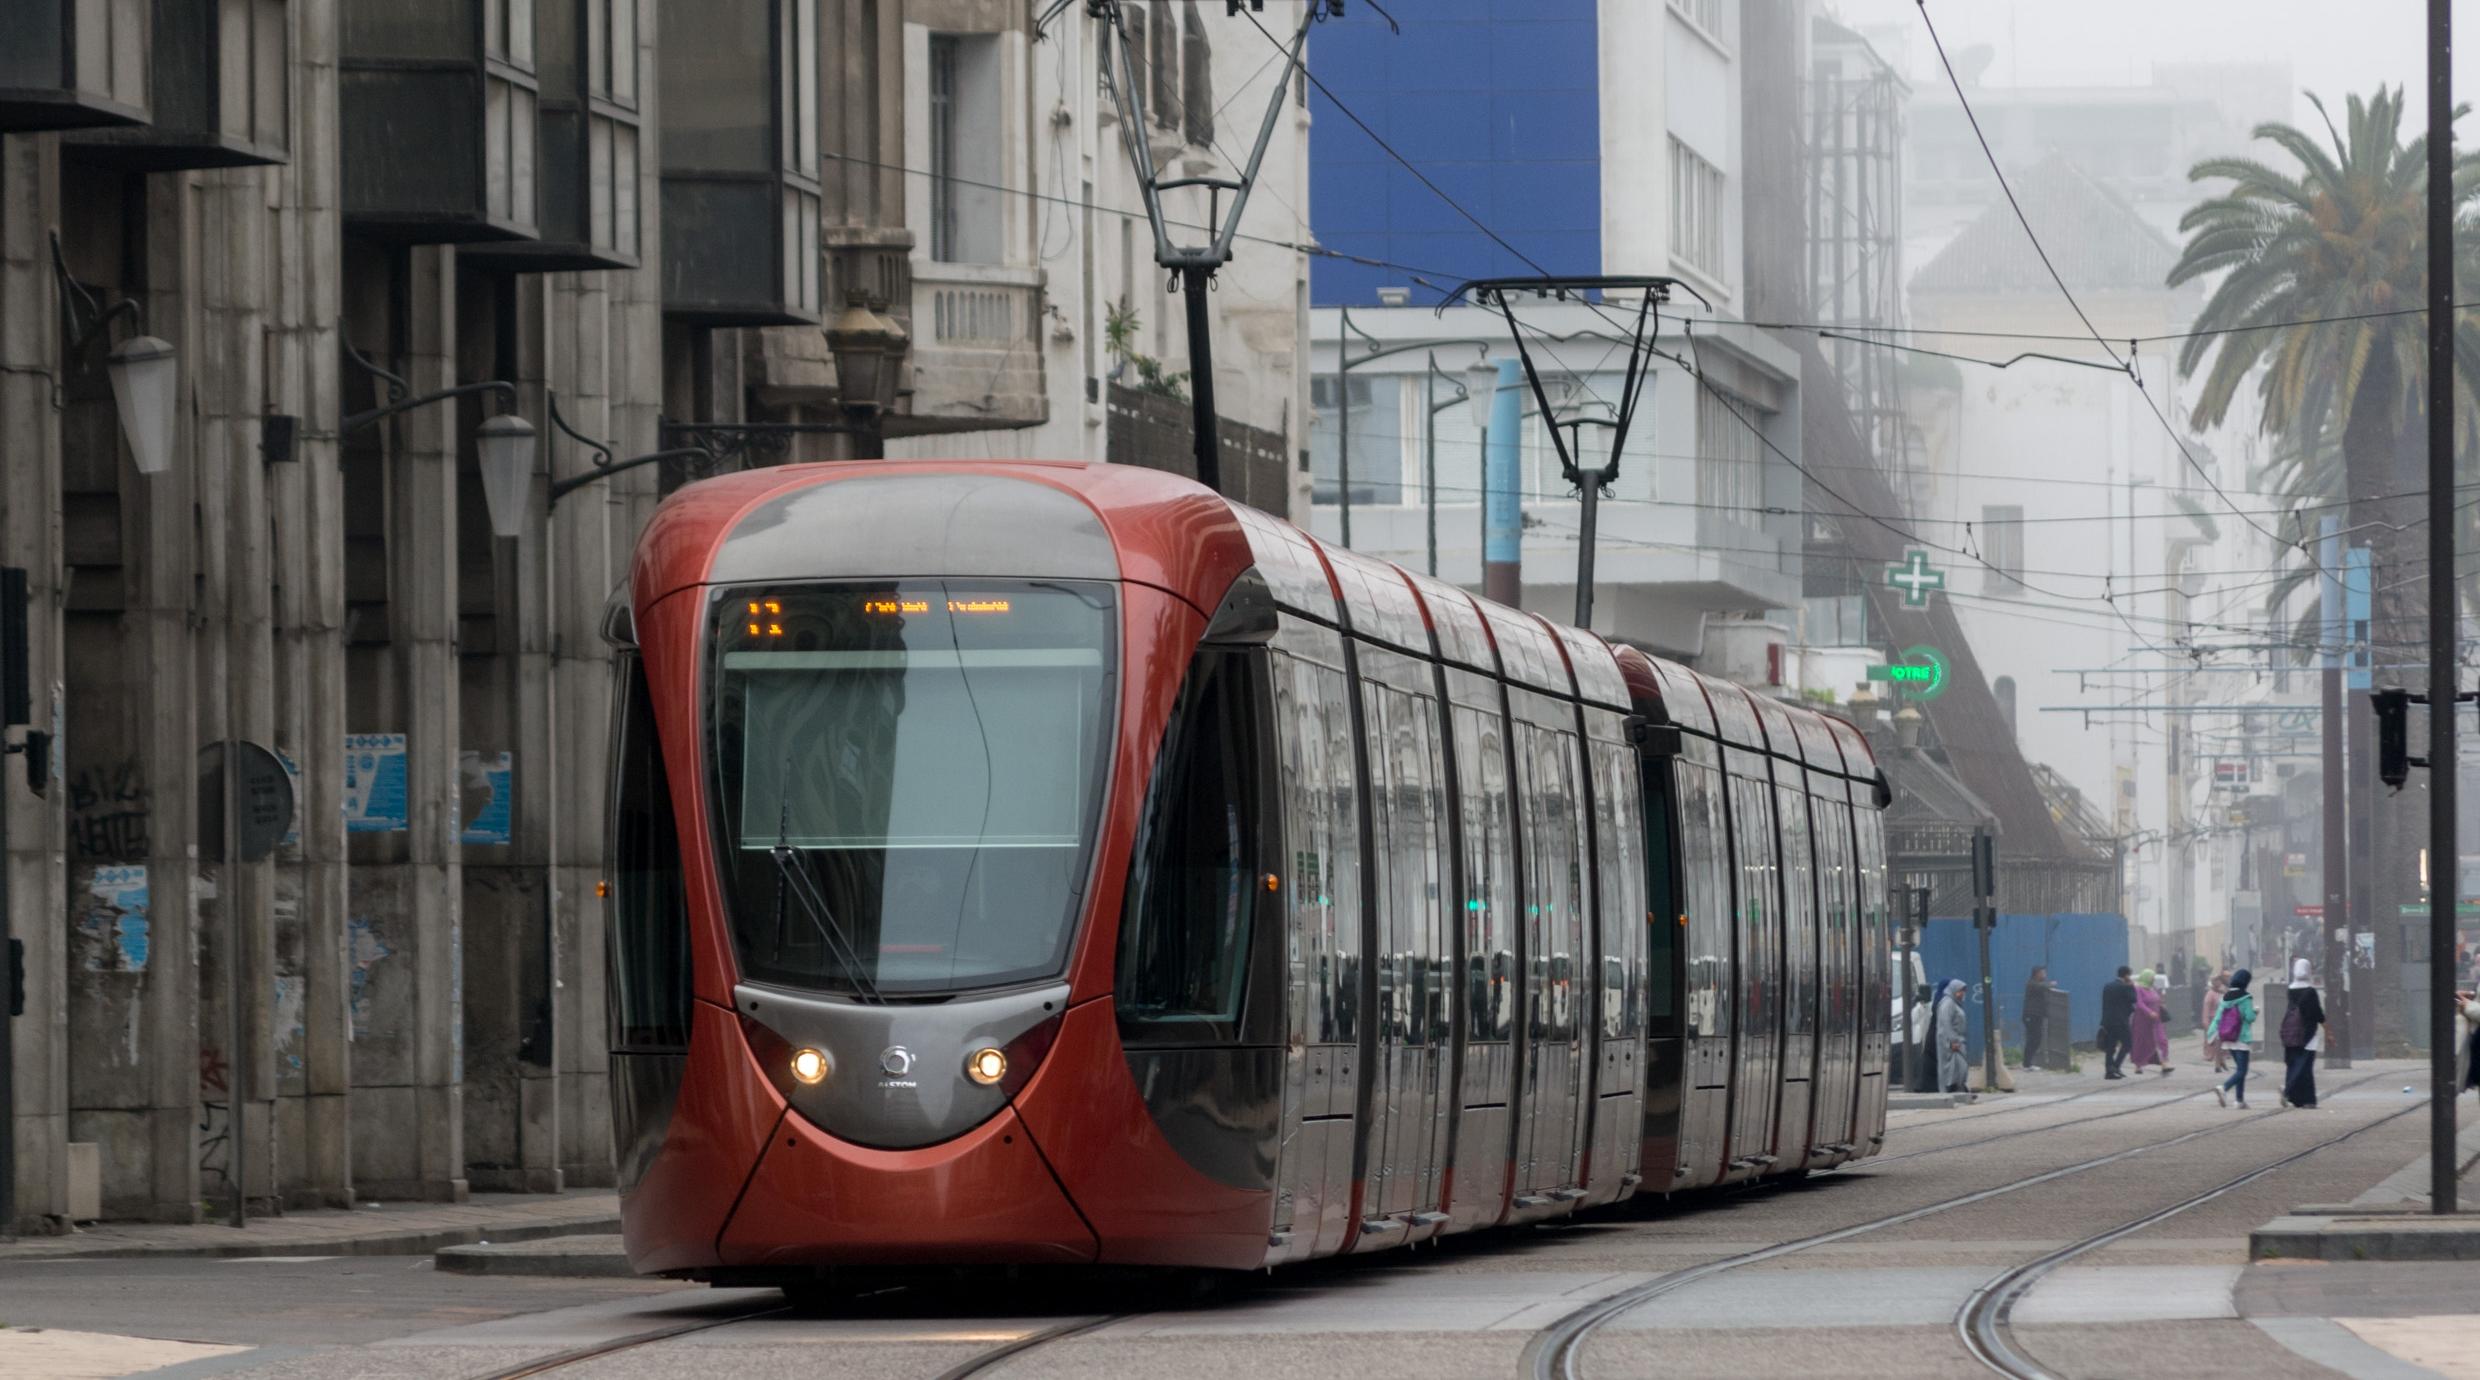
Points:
(1550, 790)
(1757, 956)
(1876, 973)
(1709, 992)
(1321, 886)
(1838, 1017)
(1622, 931)
(1405, 765)
(1491, 987)
(1799, 917)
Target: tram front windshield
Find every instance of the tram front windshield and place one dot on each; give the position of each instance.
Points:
(909, 774)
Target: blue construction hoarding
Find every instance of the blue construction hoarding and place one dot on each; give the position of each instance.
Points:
(2082, 953)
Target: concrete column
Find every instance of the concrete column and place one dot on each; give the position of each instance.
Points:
(408, 1125)
(512, 1089)
(310, 684)
(30, 535)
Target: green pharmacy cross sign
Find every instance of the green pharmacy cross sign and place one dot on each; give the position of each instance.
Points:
(1915, 577)
(1921, 673)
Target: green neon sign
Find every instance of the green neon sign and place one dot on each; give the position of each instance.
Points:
(1921, 673)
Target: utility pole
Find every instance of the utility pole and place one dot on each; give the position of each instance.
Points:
(1985, 923)
(2335, 923)
(1343, 425)
(2444, 849)
(16, 706)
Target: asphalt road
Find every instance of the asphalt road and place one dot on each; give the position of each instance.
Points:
(2177, 1298)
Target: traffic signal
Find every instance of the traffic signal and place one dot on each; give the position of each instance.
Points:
(2393, 709)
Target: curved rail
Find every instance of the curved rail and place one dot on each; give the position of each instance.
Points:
(976, 1365)
(1985, 1319)
(1557, 1351)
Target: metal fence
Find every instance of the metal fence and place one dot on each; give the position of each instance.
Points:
(1154, 431)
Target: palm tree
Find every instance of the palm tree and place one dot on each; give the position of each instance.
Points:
(2321, 273)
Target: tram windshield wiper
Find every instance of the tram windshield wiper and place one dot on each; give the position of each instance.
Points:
(792, 878)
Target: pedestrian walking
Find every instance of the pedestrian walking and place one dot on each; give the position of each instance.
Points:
(2303, 1034)
(1921, 1054)
(2148, 1034)
(2470, 1002)
(2036, 1013)
(1954, 1069)
(2118, 1007)
(2235, 1023)
(2205, 1021)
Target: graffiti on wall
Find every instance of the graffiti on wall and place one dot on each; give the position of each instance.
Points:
(108, 812)
(214, 1118)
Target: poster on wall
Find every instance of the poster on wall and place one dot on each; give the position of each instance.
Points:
(484, 799)
(375, 799)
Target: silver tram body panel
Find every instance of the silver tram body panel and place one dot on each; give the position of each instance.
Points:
(1483, 1025)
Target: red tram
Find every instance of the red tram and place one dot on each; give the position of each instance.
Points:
(1020, 862)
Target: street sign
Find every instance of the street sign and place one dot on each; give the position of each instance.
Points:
(2309, 912)
(1921, 674)
(1915, 577)
(265, 793)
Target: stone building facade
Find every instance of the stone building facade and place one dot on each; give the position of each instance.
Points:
(626, 235)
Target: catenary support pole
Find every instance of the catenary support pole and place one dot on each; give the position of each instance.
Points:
(12, 675)
(1343, 423)
(1429, 459)
(1194, 283)
(2335, 923)
(1590, 520)
(2444, 850)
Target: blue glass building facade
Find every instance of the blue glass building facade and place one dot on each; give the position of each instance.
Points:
(1497, 102)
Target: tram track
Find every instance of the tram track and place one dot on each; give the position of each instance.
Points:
(1984, 1321)
(2025, 1130)
(1557, 1351)
(979, 1364)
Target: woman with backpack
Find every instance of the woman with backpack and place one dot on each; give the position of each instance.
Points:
(2235, 1027)
(2303, 1034)
(2208, 1019)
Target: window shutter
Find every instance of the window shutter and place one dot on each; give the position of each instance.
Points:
(1197, 79)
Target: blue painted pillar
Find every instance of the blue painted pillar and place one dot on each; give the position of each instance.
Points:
(1502, 503)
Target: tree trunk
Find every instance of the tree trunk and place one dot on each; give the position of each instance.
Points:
(2383, 454)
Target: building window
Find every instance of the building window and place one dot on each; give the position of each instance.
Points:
(1377, 440)
(1730, 470)
(1696, 210)
(965, 139)
(2002, 548)
(1705, 14)
(2004, 688)
(1197, 81)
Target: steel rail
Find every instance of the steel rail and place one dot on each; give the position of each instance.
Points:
(980, 1364)
(1985, 1321)
(1557, 1351)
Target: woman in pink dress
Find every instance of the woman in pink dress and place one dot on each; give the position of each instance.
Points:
(2149, 1037)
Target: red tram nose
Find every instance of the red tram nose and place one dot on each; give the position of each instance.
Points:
(899, 1143)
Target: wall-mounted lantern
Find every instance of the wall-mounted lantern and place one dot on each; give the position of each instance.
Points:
(505, 444)
(586, 72)
(869, 355)
(739, 107)
(144, 371)
(72, 64)
(436, 102)
(221, 90)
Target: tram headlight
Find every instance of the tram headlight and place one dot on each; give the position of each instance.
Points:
(986, 1065)
(811, 1066)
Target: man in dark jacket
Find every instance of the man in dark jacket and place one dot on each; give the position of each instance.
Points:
(2118, 1008)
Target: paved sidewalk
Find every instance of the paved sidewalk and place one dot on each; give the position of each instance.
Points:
(379, 1230)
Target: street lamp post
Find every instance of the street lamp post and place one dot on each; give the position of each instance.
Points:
(1344, 365)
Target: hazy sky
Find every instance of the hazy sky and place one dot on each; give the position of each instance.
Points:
(2334, 46)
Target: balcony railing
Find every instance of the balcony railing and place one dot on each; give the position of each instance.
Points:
(977, 349)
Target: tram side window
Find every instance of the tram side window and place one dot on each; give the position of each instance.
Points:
(1184, 943)
(1666, 909)
(649, 900)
